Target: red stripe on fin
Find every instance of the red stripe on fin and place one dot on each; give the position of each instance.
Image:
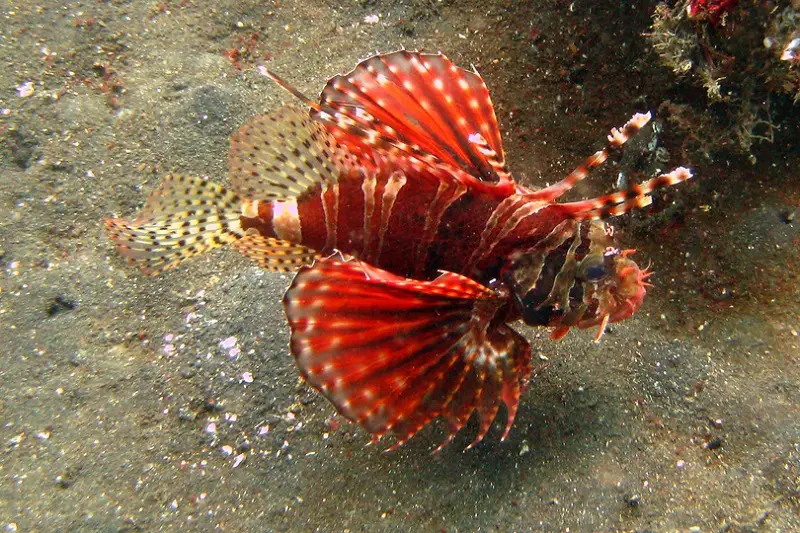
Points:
(393, 354)
(420, 104)
(274, 254)
(282, 155)
(183, 216)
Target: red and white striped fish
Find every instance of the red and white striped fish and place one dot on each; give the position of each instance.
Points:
(415, 246)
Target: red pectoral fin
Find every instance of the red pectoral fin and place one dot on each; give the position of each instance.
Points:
(392, 354)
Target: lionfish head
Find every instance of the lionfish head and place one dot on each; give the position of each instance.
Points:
(580, 280)
(613, 292)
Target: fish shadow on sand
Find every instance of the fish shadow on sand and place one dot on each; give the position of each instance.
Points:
(558, 425)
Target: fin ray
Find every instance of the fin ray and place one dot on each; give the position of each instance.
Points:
(616, 139)
(435, 354)
(620, 202)
(422, 105)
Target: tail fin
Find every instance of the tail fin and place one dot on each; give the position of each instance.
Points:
(393, 354)
(184, 216)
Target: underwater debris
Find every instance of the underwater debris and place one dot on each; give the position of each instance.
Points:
(790, 53)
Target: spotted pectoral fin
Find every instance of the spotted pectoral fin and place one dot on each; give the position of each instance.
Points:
(274, 254)
(184, 216)
(393, 354)
(418, 104)
(282, 155)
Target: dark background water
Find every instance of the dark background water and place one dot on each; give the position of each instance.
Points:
(123, 410)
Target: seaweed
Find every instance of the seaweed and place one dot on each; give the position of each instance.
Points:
(741, 55)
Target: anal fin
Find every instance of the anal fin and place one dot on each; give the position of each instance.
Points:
(274, 254)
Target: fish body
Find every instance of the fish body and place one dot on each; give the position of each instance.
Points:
(413, 222)
(415, 247)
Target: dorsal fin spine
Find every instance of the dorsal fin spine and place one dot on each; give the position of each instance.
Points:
(291, 90)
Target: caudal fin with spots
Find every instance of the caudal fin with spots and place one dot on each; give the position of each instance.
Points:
(184, 216)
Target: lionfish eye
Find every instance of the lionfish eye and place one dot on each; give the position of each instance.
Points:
(596, 272)
(594, 269)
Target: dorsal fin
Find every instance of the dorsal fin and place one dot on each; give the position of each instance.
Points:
(421, 104)
(282, 155)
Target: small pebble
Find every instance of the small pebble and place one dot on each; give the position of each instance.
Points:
(15, 441)
(60, 303)
(210, 404)
(25, 89)
(228, 343)
(524, 448)
(186, 415)
(632, 500)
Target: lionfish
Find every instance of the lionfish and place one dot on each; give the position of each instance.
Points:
(415, 246)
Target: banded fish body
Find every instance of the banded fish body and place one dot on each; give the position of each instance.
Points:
(416, 248)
